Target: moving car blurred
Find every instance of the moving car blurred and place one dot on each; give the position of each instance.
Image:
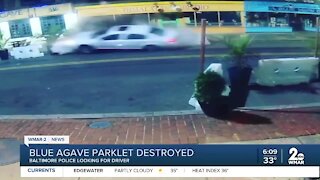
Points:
(144, 37)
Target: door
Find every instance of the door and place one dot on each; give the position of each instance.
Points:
(113, 41)
(135, 41)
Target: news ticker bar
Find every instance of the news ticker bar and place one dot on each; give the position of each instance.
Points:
(169, 155)
(165, 171)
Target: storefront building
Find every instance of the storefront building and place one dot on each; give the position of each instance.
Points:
(37, 21)
(52, 17)
(15, 23)
(223, 16)
(271, 16)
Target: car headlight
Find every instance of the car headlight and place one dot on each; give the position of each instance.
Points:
(69, 42)
(65, 42)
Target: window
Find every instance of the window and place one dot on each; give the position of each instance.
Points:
(136, 36)
(169, 16)
(258, 19)
(309, 20)
(140, 19)
(279, 20)
(132, 19)
(172, 19)
(211, 17)
(20, 28)
(52, 25)
(111, 37)
(230, 18)
(157, 31)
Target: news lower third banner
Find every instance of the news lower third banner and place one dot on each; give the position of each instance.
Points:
(53, 156)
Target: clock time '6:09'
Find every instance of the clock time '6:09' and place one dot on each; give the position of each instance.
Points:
(269, 151)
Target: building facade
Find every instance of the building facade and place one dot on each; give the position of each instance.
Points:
(270, 16)
(222, 16)
(8, 5)
(36, 21)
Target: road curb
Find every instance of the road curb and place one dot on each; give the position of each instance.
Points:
(148, 114)
(279, 107)
(98, 116)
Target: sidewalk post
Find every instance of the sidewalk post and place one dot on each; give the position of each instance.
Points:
(317, 46)
(195, 18)
(317, 39)
(203, 44)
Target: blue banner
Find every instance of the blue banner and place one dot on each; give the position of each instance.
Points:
(293, 10)
(281, 7)
(169, 155)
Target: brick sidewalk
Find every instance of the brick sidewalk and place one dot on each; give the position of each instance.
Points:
(179, 129)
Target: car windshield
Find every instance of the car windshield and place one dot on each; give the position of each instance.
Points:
(98, 33)
(159, 72)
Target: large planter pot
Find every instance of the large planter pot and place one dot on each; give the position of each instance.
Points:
(219, 108)
(319, 71)
(4, 54)
(239, 83)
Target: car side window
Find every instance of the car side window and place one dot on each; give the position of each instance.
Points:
(157, 31)
(136, 36)
(111, 37)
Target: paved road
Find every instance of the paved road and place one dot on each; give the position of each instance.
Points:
(113, 82)
(99, 88)
(216, 49)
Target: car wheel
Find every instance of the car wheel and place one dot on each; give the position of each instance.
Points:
(151, 48)
(54, 53)
(85, 49)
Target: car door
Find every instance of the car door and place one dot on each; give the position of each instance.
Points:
(111, 41)
(135, 41)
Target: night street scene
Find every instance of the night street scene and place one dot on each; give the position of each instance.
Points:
(158, 72)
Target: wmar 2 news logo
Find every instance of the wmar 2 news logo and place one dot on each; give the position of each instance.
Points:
(296, 157)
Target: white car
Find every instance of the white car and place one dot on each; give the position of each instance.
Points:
(126, 37)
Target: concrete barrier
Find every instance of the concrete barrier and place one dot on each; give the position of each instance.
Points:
(24, 52)
(286, 71)
(269, 29)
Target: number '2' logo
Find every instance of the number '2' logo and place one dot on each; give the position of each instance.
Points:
(295, 155)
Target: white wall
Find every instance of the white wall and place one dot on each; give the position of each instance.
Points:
(35, 26)
(5, 29)
(70, 20)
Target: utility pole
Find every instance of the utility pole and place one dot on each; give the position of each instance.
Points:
(317, 46)
(203, 44)
(317, 39)
(195, 18)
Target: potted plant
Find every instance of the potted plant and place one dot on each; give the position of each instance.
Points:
(239, 71)
(209, 88)
(4, 53)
